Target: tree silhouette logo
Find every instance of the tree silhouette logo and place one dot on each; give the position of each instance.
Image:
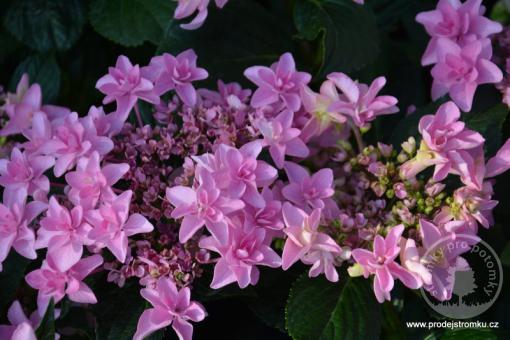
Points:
(466, 276)
(464, 284)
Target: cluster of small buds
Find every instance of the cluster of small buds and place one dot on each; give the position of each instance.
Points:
(160, 256)
(371, 194)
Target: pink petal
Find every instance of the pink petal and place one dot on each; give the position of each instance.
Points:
(150, 321)
(137, 224)
(222, 275)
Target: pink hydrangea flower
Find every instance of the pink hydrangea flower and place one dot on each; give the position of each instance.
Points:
(89, 182)
(21, 331)
(53, 283)
(269, 216)
(26, 172)
(124, 84)
(443, 263)
(238, 172)
(381, 263)
(308, 191)
(411, 260)
(21, 327)
(459, 70)
(471, 206)
(176, 73)
(100, 123)
(306, 242)
(170, 306)
(318, 105)
(186, 8)
(15, 216)
(112, 225)
(40, 132)
(360, 101)
(278, 85)
(281, 138)
(21, 108)
(64, 233)
(446, 142)
(69, 144)
(245, 248)
(230, 94)
(454, 20)
(202, 206)
(499, 163)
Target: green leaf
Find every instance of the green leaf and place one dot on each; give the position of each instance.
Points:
(242, 34)
(46, 25)
(11, 277)
(46, 330)
(500, 12)
(9, 46)
(489, 124)
(131, 22)
(272, 291)
(319, 309)
(118, 311)
(347, 32)
(505, 255)
(42, 69)
(393, 328)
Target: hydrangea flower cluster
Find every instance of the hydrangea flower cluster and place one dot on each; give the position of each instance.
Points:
(243, 178)
(460, 49)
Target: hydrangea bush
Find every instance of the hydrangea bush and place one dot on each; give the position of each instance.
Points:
(280, 169)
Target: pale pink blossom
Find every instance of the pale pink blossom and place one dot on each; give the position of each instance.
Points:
(69, 144)
(381, 263)
(246, 248)
(442, 259)
(40, 132)
(318, 105)
(21, 327)
(125, 85)
(359, 101)
(53, 283)
(26, 172)
(307, 191)
(170, 306)
(278, 85)
(460, 69)
(281, 138)
(454, 20)
(15, 217)
(176, 73)
(186, 8)
(230, 94)
(411, 259)
(238, 173)
(64, 233)
(306, 242)
(90, 181)
(269, 216)
(21, 108)
(112, 225)
(449, 146)
(499, 163)
(202, 206)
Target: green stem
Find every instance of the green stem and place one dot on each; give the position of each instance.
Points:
(138, 115)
